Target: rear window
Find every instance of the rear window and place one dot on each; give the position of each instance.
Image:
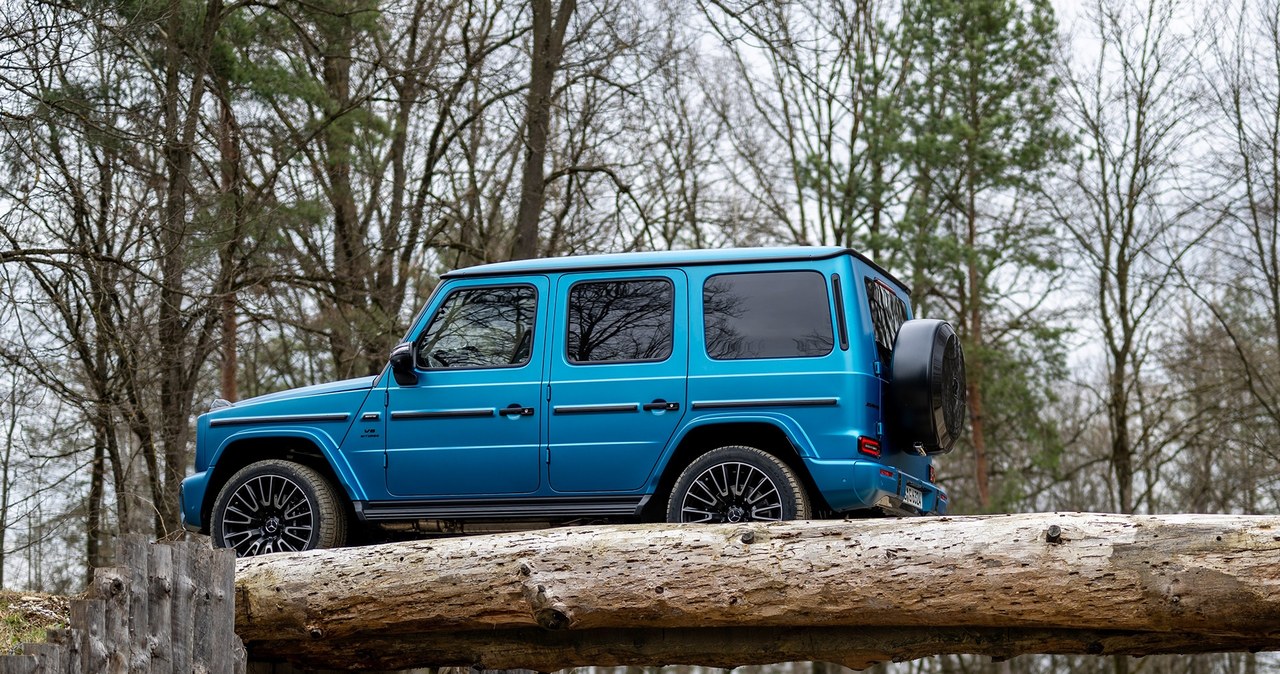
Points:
(767, 315)
(888, 313)
(620, 321)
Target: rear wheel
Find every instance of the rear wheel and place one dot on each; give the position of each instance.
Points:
(278, 506)
(737, 484)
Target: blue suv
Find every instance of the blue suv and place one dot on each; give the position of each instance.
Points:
(693, 386)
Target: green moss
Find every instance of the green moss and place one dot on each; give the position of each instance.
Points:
(25, 617)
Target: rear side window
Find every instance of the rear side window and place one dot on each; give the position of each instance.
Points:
(619, 321)
(767, 315)
(888, 313)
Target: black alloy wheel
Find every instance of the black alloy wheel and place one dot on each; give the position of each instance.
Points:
(737, 484)
(277, 506)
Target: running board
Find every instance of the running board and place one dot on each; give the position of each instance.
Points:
(504, 508)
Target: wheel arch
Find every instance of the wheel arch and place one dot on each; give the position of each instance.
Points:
(303, 447)
(777, 435)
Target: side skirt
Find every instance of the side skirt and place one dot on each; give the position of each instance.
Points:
(501, 508)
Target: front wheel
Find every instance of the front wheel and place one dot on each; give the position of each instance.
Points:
(278, 506)
(737, 484)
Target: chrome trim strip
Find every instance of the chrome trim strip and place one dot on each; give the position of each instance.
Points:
(280, 419)
(443, 414)
(776, 402)
(595, 409)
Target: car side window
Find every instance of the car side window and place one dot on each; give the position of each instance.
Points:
(767, 315)
(888, 313)
(480, 327)
(620, 321)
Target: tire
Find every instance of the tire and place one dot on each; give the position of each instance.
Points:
(720, 485)
(278, 506)
(927, 387)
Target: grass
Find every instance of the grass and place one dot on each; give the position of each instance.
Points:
(24, 617)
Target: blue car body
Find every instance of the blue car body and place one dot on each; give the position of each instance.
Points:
(552, 438)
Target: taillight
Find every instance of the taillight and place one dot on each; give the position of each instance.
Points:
(869, 447)
(933, 473)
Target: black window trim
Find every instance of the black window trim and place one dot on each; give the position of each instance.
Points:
(706, 280)
(482, 286)
(841, 326)
(620, 279)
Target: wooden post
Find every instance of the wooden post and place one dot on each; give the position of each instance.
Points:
(160, 611)
(165, 608)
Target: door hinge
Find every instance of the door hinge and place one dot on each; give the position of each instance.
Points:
(548, 391)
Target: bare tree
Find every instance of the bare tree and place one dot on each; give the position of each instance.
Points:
(550, 24)
(825, 105)
(1239, 283)
(1130, 211)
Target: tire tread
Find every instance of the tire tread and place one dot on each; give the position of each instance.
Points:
(804, 509)
(330, 510)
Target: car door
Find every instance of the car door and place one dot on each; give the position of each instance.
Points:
(617, 376)
(471, 425)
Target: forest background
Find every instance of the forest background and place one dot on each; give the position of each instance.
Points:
(226, 198)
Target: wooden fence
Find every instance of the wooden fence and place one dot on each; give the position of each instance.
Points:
(165, 607)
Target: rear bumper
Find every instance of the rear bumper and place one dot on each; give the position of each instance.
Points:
(190, 500)
(858, 485)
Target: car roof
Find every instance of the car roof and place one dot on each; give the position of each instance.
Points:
(665, 258)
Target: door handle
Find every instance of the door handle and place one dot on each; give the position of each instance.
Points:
(515, 409)
(661, 405)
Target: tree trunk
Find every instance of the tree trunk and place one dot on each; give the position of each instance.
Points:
(547, 48)
(179, 135)
(230, 208)
(653, 594)
(977, 354)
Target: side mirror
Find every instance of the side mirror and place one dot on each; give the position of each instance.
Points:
(402, 364)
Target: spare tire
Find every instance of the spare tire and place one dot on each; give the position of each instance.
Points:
(927, 387)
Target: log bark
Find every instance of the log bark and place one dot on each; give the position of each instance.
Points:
(850, 592)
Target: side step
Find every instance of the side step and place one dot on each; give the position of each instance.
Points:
(502, 508)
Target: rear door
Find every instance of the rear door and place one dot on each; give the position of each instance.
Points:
(618, 369)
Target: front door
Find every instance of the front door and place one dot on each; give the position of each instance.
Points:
(471, 425)
(618, 367)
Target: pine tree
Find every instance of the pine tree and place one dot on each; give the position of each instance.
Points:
(980, 135)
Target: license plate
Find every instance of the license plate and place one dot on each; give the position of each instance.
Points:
(913, 496)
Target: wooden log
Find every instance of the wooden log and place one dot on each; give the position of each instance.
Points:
(19, 664)
(111, 585)
(159, 611)
(89, 618)
(181, 617)
(201, 619)
(854, 647)
(70, 640)
(1148, 583)
(134, 555)
(51, 657)
(167, 608)
(227, 656)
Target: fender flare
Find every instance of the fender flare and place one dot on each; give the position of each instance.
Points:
(783, 422)
(347, 479)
